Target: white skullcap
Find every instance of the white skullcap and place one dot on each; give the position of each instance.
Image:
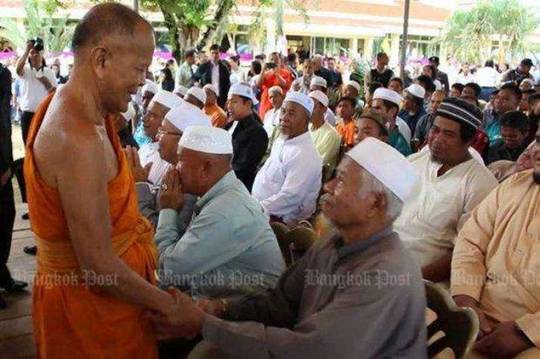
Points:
(438, 85)
(354, 84)
(180, 90)
(187, 115)
(304, 100)
(207, 139)
(130, 113)
(388, 95)
(198, 93)
(318, 81)
(211, 88)
(243, 90)
(416, 90)
(319, 96)
(150, 86)
(386, 164)
(167, 99)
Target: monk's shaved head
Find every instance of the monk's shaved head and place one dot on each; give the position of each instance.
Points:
(106, 20)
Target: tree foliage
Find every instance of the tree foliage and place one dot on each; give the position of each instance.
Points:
(469, 34)
(42, 21)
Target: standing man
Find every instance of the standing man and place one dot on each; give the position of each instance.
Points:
(487, 77)
(7, 203)
(439, 75)
(321, 71)
(215, 72)
(37, 81)
(517, 75)
(102, 259)
(249, 137)
(184, 74)
(381, 73)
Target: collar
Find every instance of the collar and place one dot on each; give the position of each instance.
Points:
(219, 187)
(344, 250)
(306, 136)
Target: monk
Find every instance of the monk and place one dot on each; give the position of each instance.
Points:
(96, 260)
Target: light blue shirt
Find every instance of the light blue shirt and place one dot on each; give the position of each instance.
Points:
(228, 249)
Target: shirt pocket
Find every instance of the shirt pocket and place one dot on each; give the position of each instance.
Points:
(440, 210)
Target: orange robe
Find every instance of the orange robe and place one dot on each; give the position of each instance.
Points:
(346, 131)
(70, 320)
(269, 82)
(217, 115)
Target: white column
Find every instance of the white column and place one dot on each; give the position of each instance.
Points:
(368, 48)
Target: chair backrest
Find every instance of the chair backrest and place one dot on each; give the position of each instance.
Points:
(300, 240)
(459, 325)
(281, 230)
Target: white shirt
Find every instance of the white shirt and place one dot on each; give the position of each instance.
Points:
(330, 117)
(487, 77)
(215, 75)
(271, 121)
(149, 153)
(462, 79)
(432, 217)
(237, 76)
(289, 182)
(32, 90)
(404, 129)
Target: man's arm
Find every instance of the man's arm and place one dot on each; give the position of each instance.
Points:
(246, 163)
(90, 228)
(22, 60)
(146, 201)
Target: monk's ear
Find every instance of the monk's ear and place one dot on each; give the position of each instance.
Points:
(99, 57)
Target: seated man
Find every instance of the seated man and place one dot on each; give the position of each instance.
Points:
(338, 300)
(507, 99)
(248, 135)
(495, 264)
(352, 89)
(456, 90)
(471, 93)
(196, 96)
(211, 108)
(271, 117)
(386, 103)
(324, 136)
(229, 247)
(171, 130)
(161, 103)
(318, 83)
(289, 182)
(452, 183)
(413, 106)
(424, 124)
(370, 124)
(514, 132)
(345, 127)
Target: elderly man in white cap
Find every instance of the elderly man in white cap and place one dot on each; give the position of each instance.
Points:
(289, 182)
(325, 137)
(196, 96)
(452, 182)
(248, 135)
(319, 84)
(144, 97)
(302, 83)
(352, 89)
(229, 247)
(413, 105)
(356, 294)
(150, 177)
(180, 90)
(271, 117)
(211, 108)
(386, 103)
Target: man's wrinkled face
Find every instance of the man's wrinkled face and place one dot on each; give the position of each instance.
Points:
(276, 99)
(153, 118)
(342, 203)
(293, 119)
(445, 141)
(168, 137)
(121, 66)
(189, 169)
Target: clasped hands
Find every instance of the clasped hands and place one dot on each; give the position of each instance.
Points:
(185, 318)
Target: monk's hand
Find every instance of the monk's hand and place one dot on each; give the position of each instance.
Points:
(170, 194)
(505, 341)
(139, 172)
(214, 307)
(465, 301)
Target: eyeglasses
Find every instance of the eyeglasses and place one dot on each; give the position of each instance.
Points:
(162, 132)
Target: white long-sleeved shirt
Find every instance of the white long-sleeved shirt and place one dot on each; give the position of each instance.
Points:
(487, 76)
(149, 153)
(404, 129)
(288, 184)
(431, 219)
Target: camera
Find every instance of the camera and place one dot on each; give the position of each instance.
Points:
(37, 43)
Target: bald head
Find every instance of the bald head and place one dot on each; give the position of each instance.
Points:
(107, 20)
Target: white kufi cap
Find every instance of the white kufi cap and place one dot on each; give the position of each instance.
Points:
(386, 164)
(318, 81)
(319, 96)
(167, 99)
(187, 115)
(207, 140)
(416, 90)
(354, 84)
(304, 100)
(388, 95)
(243, 90)
(198, 93)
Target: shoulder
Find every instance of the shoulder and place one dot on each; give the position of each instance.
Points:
(419, 157)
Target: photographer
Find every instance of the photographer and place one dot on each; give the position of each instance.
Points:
(37, 81)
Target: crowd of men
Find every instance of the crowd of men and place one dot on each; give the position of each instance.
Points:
(169, 193)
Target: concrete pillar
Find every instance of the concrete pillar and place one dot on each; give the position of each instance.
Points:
(353, 46)
(368, 49)
(394, 50)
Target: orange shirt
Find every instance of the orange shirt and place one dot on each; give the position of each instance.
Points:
(216, 114)
(269, 81)
(346, 131)
(70, 319)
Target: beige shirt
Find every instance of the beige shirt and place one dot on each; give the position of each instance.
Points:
(431, 219)
(497, 255)
(327, 142)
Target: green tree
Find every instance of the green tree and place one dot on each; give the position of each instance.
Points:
(41, 20)
(469, 34)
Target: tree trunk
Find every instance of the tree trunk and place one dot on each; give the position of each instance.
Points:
(174, 36)
(223, 8)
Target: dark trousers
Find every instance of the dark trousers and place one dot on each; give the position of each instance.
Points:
(26, 120)
(7, 220)
(18, 171)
